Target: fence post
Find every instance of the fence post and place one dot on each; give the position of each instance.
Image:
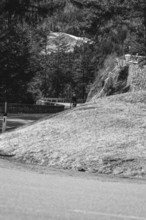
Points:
(4, 123)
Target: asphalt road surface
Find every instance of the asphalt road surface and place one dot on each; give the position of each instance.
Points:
(18, 120)
(29, 195)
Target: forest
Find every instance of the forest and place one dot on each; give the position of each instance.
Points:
(115, 27)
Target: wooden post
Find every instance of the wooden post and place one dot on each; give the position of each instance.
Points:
(4, 123)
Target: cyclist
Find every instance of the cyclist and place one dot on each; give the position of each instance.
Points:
(74, 100)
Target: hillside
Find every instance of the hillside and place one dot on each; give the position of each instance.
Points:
(31, 29)
(105, 137)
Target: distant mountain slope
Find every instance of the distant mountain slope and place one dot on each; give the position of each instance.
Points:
(58, 41)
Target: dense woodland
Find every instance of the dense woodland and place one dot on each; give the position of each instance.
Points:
(116, 27)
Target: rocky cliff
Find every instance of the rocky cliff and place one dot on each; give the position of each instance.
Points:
(123, 75)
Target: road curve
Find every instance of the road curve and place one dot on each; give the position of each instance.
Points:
(27, 195)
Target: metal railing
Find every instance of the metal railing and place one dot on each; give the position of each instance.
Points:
(54, 101)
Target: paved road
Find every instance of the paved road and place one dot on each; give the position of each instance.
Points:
(28, 195)
(18, 120)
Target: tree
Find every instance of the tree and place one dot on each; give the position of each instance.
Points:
(18, 56)
(30, 11)
(15, 64)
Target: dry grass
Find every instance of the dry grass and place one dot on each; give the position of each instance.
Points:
(107, 136)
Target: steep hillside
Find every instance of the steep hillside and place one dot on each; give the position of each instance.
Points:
(105, 137)
(120, 76)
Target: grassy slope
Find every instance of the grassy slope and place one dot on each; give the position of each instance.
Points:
(107, 136)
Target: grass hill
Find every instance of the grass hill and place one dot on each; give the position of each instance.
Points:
(107, 136)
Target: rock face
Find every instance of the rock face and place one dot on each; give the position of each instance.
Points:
(137, 77)
(58, 41)
(126, 76)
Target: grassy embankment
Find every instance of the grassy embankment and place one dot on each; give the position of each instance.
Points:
(106, 137)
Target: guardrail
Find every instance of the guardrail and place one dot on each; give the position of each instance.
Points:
(50, 100)
(54, 101)
(129, 58)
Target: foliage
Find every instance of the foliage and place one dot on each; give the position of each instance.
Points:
(15, 64)
(115, 27)
(30, 11)
(62, 72)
